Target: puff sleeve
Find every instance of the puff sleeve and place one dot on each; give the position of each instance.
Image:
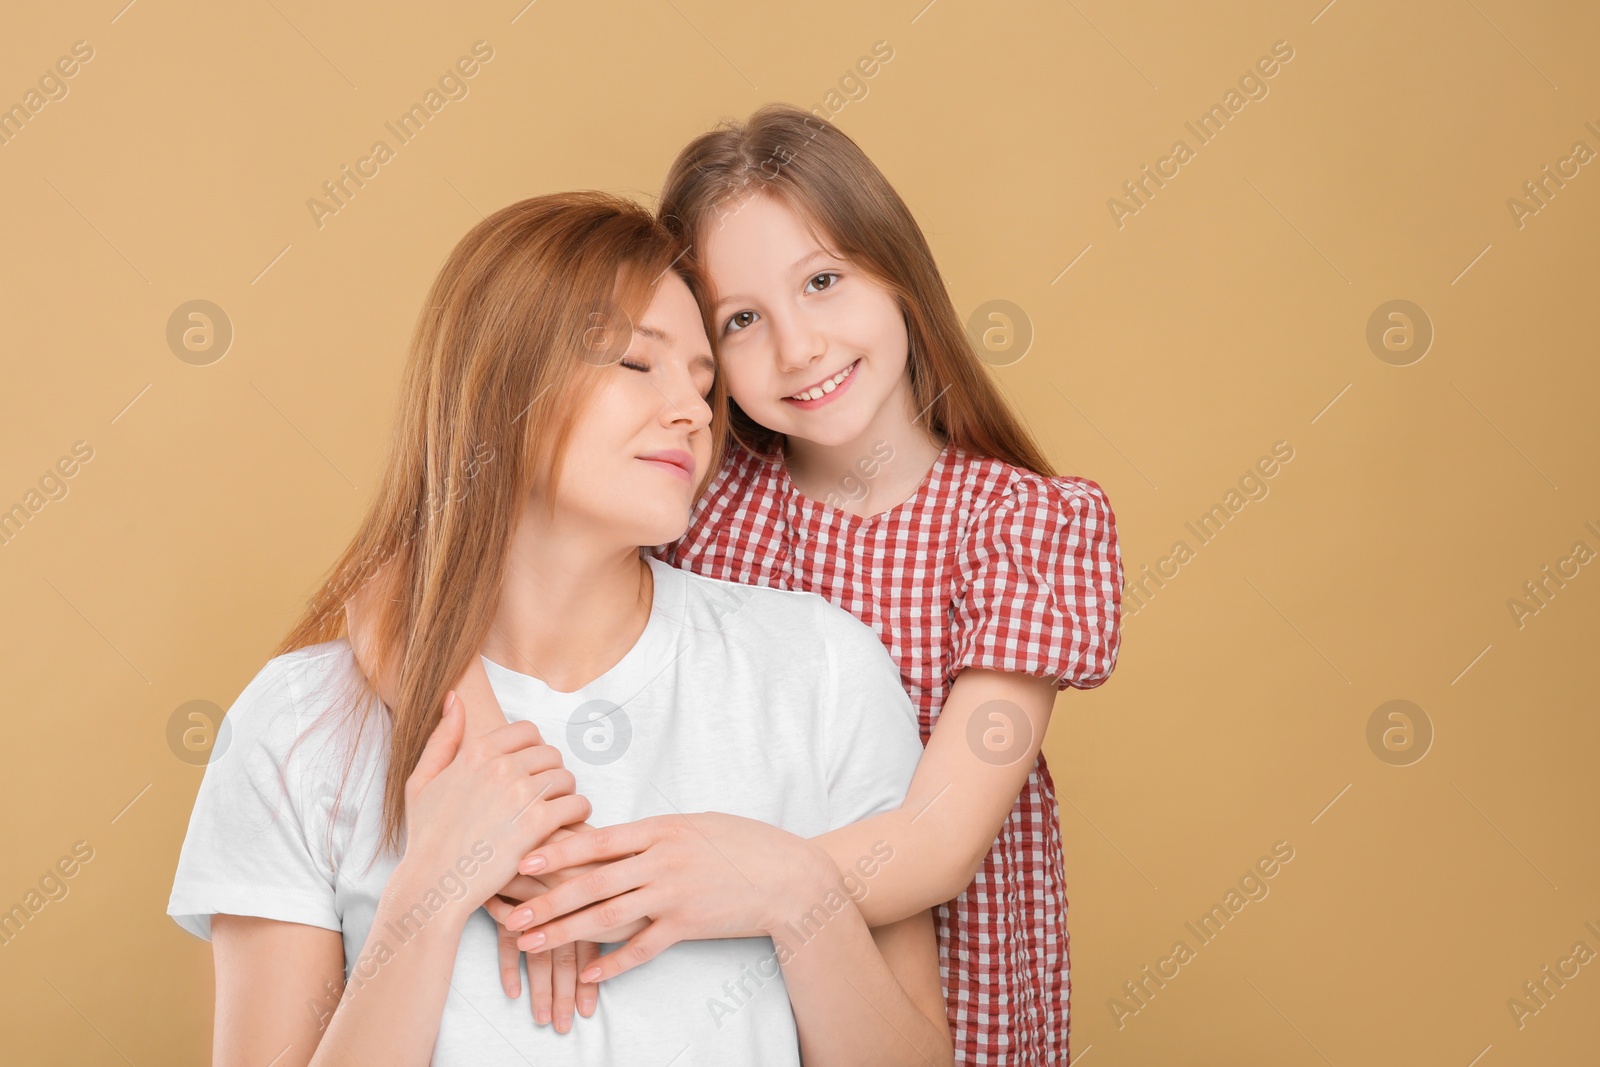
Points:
(1039, 584)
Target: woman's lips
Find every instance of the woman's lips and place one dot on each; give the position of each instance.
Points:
(679, 468)
(825, 397)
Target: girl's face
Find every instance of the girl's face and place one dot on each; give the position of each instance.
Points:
(811, 347)
(641, 447)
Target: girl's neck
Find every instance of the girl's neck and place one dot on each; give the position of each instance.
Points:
(567, 614)
(877, 470)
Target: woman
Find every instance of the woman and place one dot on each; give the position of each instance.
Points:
(879, 466)
(540, 443)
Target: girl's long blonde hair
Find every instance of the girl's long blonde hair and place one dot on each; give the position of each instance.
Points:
(526, 313)
(825, 178)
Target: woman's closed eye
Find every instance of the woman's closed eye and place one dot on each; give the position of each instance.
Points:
(632, 364)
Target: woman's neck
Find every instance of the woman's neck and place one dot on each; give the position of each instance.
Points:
(568, 614)
(856, 476)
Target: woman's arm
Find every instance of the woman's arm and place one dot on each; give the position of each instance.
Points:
(281, 995)
(859, 995)
(554, 991)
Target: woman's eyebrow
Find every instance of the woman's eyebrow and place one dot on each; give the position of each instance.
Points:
(702, 359)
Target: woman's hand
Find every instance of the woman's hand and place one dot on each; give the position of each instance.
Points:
(553, 986)
(700, 876)
(505, 789)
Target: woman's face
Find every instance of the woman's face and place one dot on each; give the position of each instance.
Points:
(641, 447)
(793, 318)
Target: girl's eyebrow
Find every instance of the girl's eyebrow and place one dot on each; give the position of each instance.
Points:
(819, 253)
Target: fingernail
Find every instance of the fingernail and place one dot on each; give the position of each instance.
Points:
(532, 865)
(520, 918)
(590, 975)
(531, 943)
(586, 1006)
(563, 1023)
(541, 1016)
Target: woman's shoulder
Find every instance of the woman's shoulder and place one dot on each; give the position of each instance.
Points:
(773, 622)
(292, 698)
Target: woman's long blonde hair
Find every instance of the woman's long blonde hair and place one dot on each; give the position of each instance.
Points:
(823, 176)
(526, 313)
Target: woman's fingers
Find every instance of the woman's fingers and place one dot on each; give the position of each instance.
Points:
(540, 986)
(609, 880)
(608, 921)
(564, 985)
(606, 843)
(588, 996)
(510, 963)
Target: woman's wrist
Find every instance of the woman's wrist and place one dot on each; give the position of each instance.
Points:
(803, 889)
(430, 888)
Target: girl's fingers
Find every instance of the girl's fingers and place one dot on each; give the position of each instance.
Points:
(564, 985)
(520, 888)
(588, 996)
(641, 948)
(592, 846)
(539, 986)
(598, 922)
(610, 880)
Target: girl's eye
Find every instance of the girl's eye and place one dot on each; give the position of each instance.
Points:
(748, 316)
(631, 365)
(834, 275)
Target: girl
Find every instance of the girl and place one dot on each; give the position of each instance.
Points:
(521, 482)
(879, 466)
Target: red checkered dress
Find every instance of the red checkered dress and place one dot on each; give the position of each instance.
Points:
(986, 565)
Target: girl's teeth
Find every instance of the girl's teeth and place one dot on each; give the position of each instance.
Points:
(826, 387)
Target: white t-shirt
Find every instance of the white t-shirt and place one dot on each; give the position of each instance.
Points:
(765, 703)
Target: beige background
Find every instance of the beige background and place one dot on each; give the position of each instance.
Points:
(1229, 313)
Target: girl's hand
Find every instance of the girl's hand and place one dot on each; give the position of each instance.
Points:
(700, 876)
(505, 789)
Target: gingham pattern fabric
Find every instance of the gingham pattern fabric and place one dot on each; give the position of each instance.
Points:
(986, 565)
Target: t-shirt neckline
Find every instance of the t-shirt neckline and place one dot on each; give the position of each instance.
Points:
(794, 494)
(668, 603)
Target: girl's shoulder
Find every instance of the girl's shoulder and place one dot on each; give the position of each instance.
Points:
(1038, 577)
(996, 492)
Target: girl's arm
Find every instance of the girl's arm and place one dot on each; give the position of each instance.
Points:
(965, 786)
(281, 995)
(977, 759)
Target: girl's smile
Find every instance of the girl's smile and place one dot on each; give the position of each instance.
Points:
(822, 392)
